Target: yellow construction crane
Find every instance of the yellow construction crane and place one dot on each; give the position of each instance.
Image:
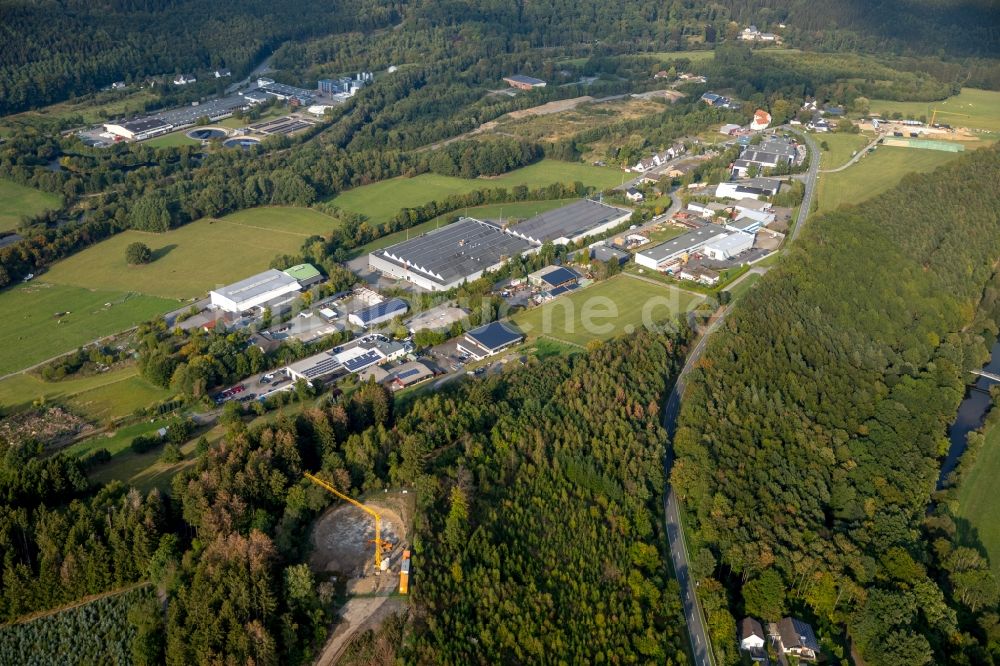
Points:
(946, 113)
(379, 546)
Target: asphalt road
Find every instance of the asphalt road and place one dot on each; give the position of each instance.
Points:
(700, 647)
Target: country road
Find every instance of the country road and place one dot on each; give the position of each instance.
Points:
(701, 649)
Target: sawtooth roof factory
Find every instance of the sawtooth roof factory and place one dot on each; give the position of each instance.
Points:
(447, 257)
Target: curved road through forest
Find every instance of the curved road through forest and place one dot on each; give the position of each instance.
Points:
(701, 649)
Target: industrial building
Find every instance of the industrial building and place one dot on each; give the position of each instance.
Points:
(440, 318)
(553, 277)
(748, 187)
(305, 274)
(261, 290)
(355, 357)
(409, 374)
(379, 313)
(488, 340)
(139, 129)
(607, 253)
(570, 223)
(722, 248)
(447, 257)
(770, 154)
(345, 85)
(522, 82)
(665, 255)
(282, 91)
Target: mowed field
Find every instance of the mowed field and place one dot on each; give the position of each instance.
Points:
(32, 332)
(100, 398)
(380, 201)
(619, 305)
(877, 173)
(978, 500)
(980, 109)
(19, 200)
(841, 148)
(193, 259)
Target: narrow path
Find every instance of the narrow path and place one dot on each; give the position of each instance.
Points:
(857, 156)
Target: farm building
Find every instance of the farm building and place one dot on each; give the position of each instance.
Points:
(271, 286)
(522, 82)
(447, 257)
(378, 313)
(665, 255)
(488, 340)
(570, 223)
(139, 129)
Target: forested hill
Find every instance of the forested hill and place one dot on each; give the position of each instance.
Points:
(810, 435)
(54, 49)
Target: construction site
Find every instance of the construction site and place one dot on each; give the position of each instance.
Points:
(362, 550)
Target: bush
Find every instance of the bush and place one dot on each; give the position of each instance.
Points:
(144, 443)
(171, 454)
(95, 458)
(138, 253)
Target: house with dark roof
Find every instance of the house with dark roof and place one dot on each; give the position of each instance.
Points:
(752, 639)
(797, 638)
(489, 339)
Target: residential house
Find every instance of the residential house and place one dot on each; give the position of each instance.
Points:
(222, 73)
(797, 638)
(752, 639)
(634, 195)
(761, 119)
(184, 79)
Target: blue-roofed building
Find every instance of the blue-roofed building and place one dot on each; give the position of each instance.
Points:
(488, 340)
(552, 277)
(378, 313)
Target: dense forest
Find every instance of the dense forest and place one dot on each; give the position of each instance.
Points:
(810, 434)
(58, 49)
(538, 529)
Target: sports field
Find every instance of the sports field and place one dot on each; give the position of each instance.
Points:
(841, 146)
(380, 201)
(518, 209)
(191, 260)
(876, 173)
(18, 200)
(978, 500)
(45, 319)
(618, 305)
(980, 109)
(99, 398)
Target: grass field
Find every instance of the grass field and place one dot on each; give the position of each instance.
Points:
(612, 307)
(17, 200)
(174, 139)
(93, 109)
(194, 258)
(981, 109)
(31, 332)
(876, 173)
(978, 501)
(519, 209)
(744, 285)
(841, 147)
(380, 201)
(99, 398)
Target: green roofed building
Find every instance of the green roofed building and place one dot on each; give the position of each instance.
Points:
(305, 274)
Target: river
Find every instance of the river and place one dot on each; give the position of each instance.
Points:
(970, 416)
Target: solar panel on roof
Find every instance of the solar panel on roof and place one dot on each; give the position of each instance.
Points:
(408, 373)
(322, 368)
(361, 362)
(559, 276)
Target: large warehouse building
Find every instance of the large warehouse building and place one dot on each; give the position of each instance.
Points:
(139, 129)
(570, 223)
(663, 256)
(268, 289)
(445, 258)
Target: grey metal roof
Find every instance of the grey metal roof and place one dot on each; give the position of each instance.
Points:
(527, 80)
(213, 108)
(256, 285)
(141, 125)
(568, 222)
(455, 251)
(684, 242)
